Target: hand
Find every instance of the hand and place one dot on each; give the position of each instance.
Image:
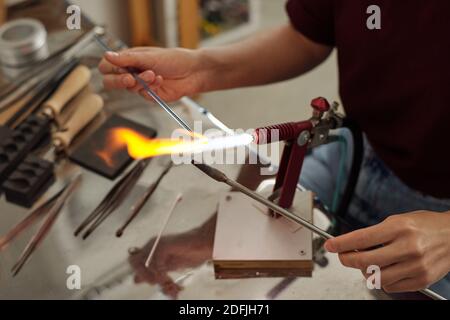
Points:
(172, 73)
(412, 250)
(176, 252)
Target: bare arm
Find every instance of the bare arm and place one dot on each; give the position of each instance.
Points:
(275, 55)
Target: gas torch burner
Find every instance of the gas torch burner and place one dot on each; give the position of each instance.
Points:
(298, 136)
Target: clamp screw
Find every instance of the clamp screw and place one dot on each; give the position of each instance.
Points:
(303, 138)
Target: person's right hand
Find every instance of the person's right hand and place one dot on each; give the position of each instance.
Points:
(172, 73)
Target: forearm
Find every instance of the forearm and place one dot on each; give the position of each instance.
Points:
(275, 55)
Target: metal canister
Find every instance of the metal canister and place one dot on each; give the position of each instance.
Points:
(22, 42)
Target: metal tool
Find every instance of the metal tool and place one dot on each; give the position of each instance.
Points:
(161, 231)
(113, 199)
(52, 208)
(71, 86)
(33, 99)
(34, 128)
(148, 90)
(33, 176)
(28, 221)
(86, 107)
(137, 207)
(221, 177)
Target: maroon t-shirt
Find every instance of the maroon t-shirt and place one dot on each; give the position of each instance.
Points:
(394, 81)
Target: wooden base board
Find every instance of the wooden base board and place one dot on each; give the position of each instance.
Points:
(250, 244)
(224, 274)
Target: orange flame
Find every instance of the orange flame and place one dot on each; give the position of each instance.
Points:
(140, 146)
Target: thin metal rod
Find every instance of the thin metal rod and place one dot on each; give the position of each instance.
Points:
(285, 213)
(161, 231)
(28, 221)
(148, 90)
(433, 295)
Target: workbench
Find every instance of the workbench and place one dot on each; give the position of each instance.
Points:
(104, 260)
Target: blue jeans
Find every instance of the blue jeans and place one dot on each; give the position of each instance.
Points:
(379, 193)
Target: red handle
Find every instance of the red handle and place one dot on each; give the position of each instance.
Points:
(320, 104)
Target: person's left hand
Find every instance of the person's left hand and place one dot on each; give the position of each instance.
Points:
(412, 250)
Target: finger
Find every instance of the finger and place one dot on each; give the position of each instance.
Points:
(106, 67)
(154, 86)
(158, 82)
(118, 81)
(361, 239)
(381, 257)
(135, 59)
(398, 272)
(138, 49)
(149, 78)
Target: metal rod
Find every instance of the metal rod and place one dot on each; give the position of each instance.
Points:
(221, 177)
(285, 213)
(137, 207)
(161, 231)
(433, 295)
(148, 90)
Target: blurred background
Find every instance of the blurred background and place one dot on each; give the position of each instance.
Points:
(198, 23)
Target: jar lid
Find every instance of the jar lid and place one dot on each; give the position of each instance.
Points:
(22, 37)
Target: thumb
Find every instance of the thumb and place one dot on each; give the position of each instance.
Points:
(125, 59)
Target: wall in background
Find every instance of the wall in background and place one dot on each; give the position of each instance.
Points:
(111, 13)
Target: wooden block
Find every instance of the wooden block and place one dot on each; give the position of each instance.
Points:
(141, 23)
(189, 23)
(2, 12)
(250, 243)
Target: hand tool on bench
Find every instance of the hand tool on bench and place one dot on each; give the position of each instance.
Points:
(35, 128)
(26, 82)
(113, 199)
(140, 203)
(23, 141)
(92, 105)
(52, 209)
(32, 178)
(69, 88)
(32, 100)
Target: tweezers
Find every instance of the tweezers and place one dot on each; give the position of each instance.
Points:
(113, 199)
(52, 208)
